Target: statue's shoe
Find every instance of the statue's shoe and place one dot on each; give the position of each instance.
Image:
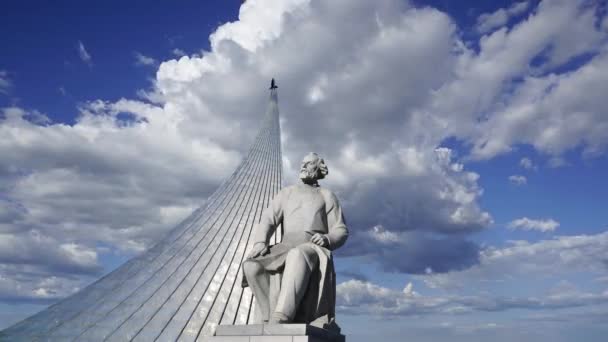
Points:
(279, 318)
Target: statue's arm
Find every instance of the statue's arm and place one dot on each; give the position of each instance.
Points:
(270, 220)
(337, 231)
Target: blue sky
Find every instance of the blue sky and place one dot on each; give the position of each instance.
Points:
(110, 34)
(467, 141)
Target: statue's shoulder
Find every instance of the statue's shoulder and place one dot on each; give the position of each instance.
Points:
(329, 195)
(285, 191)
(289, 188)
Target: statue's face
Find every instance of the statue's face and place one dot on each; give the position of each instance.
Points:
(309, 168)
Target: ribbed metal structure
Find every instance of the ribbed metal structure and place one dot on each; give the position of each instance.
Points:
(188, 283)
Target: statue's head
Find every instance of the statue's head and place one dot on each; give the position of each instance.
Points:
(313, 168)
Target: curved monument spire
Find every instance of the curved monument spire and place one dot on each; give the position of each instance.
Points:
(189, 282)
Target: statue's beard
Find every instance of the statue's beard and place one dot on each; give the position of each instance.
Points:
(308, 176)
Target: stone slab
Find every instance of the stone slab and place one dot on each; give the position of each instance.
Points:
(271, 339)
(239, 330)
(274, 333)
(286, 329)
(227, 339)
(264, 339)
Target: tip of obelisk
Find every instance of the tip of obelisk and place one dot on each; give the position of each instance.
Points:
(273, 84)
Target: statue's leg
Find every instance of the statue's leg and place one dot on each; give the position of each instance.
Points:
(259, 282)
(299, 265)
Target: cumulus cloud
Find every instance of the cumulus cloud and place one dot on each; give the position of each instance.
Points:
(518, 179)
(389, 169)
(84, 54)
(562, 122)
(428, 192)
(508, 88)
(108, 180)
(378, 108)
(546, 259)
(543, 225)
(489, 21)
(413, 252)
(488, 286)
(33, 285)
(5, 82)
(141, 59)
(97, 162)
(34, 248)
(72, 192)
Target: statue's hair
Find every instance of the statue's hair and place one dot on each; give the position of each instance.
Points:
(322, 169)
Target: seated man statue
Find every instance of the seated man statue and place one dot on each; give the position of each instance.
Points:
(294, 281)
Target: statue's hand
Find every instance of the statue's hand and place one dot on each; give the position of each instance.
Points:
(320, 239)
(260, 248)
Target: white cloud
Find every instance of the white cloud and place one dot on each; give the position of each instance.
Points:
(535, 270)
(73, 189)
(36, 248)
(208, 109)
(527, 164)
(141, 59)
(84, 54)
(5, 82)
(543, 225)
(96, 161)
(413, 252)
(27, 284)
(39, 267)
(555, 122)
(258, 23)
(178, 52)
(518, 179)
(507, 86)
(489, 21)
(387, 92)
(546, 259)
(382, 153)
(427, 191)
(359, 297)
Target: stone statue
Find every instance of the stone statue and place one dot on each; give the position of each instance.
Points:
(294, 281)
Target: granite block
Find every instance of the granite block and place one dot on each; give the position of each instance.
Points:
(270, 339)
(306, 339)
(239, 330)
(285, 329)
(228, 339)
(275, 333)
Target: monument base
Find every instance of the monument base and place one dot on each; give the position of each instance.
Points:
(274, 333)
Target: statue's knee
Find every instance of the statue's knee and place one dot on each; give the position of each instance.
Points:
(295, 255)
(303, 253)
(251, 268)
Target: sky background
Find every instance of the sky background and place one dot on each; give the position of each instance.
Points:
(466, 140)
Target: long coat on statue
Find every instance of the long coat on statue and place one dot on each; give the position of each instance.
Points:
(304, 210)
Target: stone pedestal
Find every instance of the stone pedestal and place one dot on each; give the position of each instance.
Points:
(274, 333)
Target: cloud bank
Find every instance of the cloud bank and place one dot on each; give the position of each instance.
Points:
(376, 95)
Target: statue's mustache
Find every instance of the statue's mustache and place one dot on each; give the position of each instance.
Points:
(307, 174)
